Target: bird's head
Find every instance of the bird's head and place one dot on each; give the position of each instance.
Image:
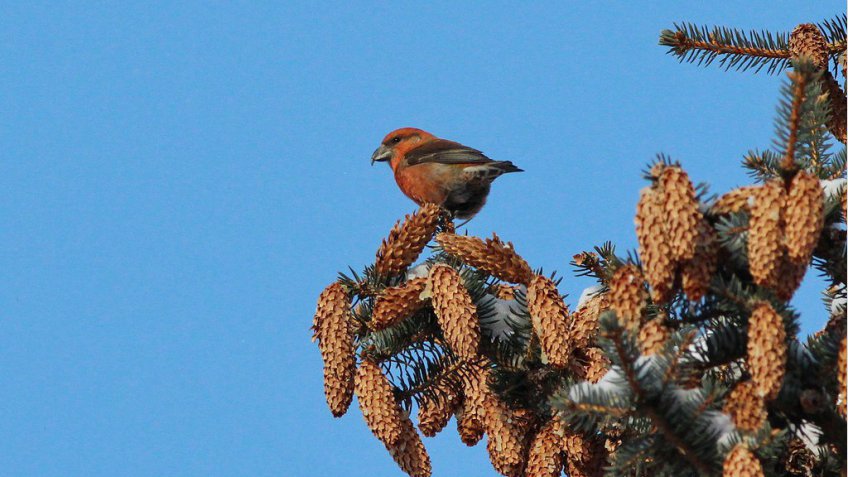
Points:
(398, 142)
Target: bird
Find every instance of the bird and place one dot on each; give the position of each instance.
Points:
(439, 171)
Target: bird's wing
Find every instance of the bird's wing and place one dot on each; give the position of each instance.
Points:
(445, 152)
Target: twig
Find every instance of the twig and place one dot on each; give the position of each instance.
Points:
(648, 410)
(798, 95)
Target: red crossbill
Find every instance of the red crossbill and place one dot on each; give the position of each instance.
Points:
(446, 173)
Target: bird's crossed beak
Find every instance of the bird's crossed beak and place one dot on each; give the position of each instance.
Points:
(382, 154)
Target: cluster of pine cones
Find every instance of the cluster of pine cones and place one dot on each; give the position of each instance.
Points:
(516, 446)
(679, 254)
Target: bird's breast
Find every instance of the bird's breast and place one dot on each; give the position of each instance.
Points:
(426, 182)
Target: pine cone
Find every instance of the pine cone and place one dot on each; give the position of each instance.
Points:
(653, 335)
(470, 432)
(807, 40)
(588, 364)
(798, 460)
(396, 304)
(470, 416)
(766, 350)
(504, 291)
(804, 217)
(409, 452)
(737, 200)
(332, 328)
(654, 246)
(791, 275)
(681, 212)
(838, 108)
(551, 321)
(492, 256)
(584, 456)
(455, 311)
(698, 272)
(597, 366)
(627, 296)
(435, 411)
(586, 319)
(841, 363)
(504, 263)
(377, 402)
(765, 234)
(545, 458)
(741, 462)
(470, 250)
(506, 442)
(745, 407)
(407, 240)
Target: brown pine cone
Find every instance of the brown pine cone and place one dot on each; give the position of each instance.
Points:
(698, 272)
(409, 452)
(492, 256)
(585, 456)
(470, 416)
(766, 350)
(396, 304)
(804, 217)
(377, 402)
(837, 120)
(506, 437)
(741, 462)
(551, 321)
(765, 234)
(745, 407)
(739, 199)
(807, 40)
(407, 240)
(654, 248)
(331, 325)
(455, 311)
(586, 319)
(627, 296)
(545, 458)
(681, 212)
(653, 335)
(435, 411)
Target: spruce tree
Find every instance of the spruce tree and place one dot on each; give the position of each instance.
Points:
(683, 360)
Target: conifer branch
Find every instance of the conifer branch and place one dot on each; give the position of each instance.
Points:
(448, 372)
(592, 407)
(587, 263)
(646, 407)
(799, 83)
(834, 32)
(736, 49)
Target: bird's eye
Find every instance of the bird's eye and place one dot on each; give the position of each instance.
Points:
(396, 139)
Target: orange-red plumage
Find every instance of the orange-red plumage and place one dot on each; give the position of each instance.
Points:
(429, 169)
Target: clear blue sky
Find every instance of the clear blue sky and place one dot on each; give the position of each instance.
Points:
(178, 182)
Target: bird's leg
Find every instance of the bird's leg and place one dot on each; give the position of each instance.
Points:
(465, 222)
(446, 220)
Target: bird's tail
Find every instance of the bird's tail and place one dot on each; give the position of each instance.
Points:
(506, 166)
(489, 171)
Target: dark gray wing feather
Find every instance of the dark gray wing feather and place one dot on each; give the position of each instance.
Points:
(445, 152)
